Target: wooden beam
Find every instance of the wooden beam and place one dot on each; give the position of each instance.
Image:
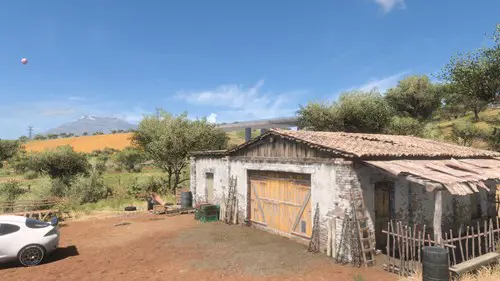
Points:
(438, 213)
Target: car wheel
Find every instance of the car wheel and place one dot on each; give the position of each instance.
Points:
(31, 255)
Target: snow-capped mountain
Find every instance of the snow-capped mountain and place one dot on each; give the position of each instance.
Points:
(90, 124)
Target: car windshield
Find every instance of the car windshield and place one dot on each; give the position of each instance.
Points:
(33, 223)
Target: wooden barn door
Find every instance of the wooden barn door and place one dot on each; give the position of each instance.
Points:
(383, 205)
(281, 201)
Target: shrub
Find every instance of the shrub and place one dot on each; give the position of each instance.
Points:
(465, 134)
(153, 184)
(129, 158)
(59, 188)
(88, 189)
(493, 139)
(62, 163)
(137, 168)
(11, 190)
(135, 188)
(30, 175)
(405, 126)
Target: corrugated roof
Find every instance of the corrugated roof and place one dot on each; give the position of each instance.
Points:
(459, 176)
(376, 145)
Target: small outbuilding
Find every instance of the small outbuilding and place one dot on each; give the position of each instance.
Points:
(281, 177)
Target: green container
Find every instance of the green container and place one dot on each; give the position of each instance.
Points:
(209, 218)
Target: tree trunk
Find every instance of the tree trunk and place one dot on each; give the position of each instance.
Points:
(476, 113)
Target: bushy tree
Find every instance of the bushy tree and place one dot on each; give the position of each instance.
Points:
(406, 126)
(130, 157)
(465, 134)
(62, 163)
(167, 141)
(11, 190)
(476, 75)
(415, 96)
(52, 136)
(39, 137)
(88, 189)
(23, 139)
(8, 148)
(356, 111)
(493, 139)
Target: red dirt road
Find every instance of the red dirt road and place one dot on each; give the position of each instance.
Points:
(179, 248)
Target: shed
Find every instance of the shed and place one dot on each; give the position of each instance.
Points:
(282, 176)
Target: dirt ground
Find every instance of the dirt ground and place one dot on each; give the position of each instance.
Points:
(145, 246)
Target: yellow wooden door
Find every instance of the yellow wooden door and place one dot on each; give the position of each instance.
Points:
(281, 201)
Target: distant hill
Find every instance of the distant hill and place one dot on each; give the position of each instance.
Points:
(91, 124)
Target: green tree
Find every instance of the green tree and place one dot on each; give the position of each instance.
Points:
(169, 139)
(465, 134)
(8, 148)
(493, 139)
(415, 96)
(130, 157)
(476, 75)
(62, 163)
(406, 126)
(11, 190)
(39, 137)
(23, 139)
(356, 111)
(52, 136)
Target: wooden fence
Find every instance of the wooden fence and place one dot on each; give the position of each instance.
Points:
(405, 243)
(23, 206)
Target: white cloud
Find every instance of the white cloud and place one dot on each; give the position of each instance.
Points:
(383, 84)
(239, 103)
(388, 5)
(212, 118)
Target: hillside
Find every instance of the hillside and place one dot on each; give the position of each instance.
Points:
(487, 120)
(118, 141)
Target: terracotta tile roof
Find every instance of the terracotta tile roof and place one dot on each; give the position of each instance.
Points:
(377, 145)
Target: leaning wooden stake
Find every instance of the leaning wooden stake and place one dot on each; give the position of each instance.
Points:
(479, 239)
(467, 244)
(334, 237)
(387, 249)
(329, 240)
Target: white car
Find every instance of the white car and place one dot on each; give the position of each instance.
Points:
(27, 240)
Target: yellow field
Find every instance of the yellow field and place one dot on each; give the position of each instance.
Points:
(88, 144)
(84, 143)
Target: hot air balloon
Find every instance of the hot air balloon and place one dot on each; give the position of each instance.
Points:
(24, 60)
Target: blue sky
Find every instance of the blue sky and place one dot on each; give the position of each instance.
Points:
(232, 60)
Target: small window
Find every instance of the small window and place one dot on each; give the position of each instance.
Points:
(303, 226)
(6, 228)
